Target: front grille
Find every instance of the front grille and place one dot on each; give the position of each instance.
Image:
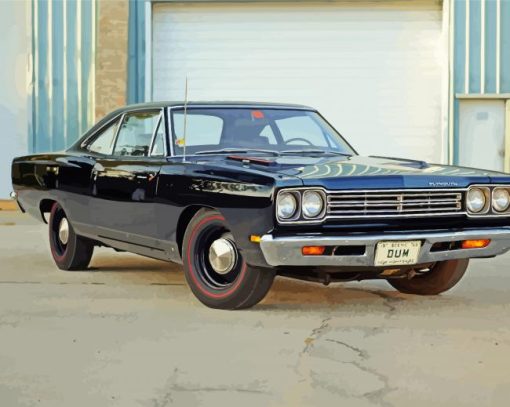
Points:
(392, 203)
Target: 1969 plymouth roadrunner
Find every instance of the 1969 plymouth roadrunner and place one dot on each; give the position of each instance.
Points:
(241, 192)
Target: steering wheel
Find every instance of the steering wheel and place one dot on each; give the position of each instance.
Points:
(298, 139)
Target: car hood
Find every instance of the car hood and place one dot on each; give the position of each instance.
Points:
(358, 172)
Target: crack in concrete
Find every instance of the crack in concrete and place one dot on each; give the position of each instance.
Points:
(10, 324)
(168, 397)
(215, 389)
(166, 400)
(361, 353)
(375, 396)
(389, 301)
(315, 334)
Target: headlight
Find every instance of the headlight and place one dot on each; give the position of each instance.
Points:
(500, 199)
(312, 204)
(286, 205)
(476, 200)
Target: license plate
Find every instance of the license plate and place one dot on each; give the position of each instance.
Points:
(397, 253)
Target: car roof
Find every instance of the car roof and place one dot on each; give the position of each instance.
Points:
(156, 105)
(205, 104)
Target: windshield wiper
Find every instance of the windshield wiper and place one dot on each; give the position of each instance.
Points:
(238, 151)
(315, 151)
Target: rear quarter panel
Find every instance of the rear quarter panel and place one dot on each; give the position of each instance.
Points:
(61, 177)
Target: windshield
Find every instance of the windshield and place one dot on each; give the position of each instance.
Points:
(264, 130)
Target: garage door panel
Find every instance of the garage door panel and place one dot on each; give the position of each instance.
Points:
(373, 69)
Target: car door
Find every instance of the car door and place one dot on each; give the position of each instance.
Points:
(124, 183)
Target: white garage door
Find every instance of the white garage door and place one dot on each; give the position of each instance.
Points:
(372, 68)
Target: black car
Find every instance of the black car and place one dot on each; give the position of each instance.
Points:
(241, 192)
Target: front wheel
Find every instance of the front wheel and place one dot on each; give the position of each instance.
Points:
(215, 269)
(69, 251)
(439, 278)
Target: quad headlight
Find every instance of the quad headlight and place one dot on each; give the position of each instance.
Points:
(477, 199)
(500, 199)
(286, 205)
(300, 205)
(312, 204)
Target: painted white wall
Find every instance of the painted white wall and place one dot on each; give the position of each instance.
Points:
(373, 68)
(14, 47)
(482, 134)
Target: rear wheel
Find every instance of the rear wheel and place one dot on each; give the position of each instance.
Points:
(215, 269)
(439, 278)
(69, 251)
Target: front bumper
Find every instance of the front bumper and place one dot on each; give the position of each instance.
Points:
(286, 251)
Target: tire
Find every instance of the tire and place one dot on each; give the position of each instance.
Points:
(239, 286)
(443, 276)
(73, 254)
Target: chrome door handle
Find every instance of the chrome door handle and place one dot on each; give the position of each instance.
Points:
(148, 176)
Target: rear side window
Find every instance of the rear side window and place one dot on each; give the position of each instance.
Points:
(135, 134)
(103, 143)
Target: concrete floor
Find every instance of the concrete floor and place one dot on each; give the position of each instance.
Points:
(130, 333)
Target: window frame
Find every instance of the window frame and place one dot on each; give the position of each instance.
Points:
(93, 137)
(161, 122)
(170, 132)
(148, 110)
(119, 119)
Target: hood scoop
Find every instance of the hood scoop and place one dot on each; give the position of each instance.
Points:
(251, 160)
(406, 161)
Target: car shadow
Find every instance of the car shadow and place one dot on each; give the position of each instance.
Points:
(127, 262)
(285, 293)
(290, 294)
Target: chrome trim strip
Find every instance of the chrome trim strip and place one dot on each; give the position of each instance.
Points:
(168, 139)
(286, 251)
(243, 106)
(96, 133)
(154, 135)
(115, 138)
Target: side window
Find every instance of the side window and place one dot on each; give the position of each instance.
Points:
(158, 148)
(135, 134)
(103, 143)
(301, 130)
(201, 129)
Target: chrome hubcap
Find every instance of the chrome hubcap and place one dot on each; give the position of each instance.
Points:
(63, 231)
(222, 256)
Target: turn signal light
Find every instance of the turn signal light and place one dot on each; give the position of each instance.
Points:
(475, 244)
(313, 250)
(255, 238)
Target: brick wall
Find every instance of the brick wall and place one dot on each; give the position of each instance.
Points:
(111, 55)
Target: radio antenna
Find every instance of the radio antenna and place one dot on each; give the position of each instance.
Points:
(185, 120)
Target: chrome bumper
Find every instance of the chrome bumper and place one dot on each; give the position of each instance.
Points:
(286, 251)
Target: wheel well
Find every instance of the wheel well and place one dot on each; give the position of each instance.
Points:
(183, 222)
(45, 207)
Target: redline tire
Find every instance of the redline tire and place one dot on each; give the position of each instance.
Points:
(242, 287)
(76, 253)
(443, 276)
